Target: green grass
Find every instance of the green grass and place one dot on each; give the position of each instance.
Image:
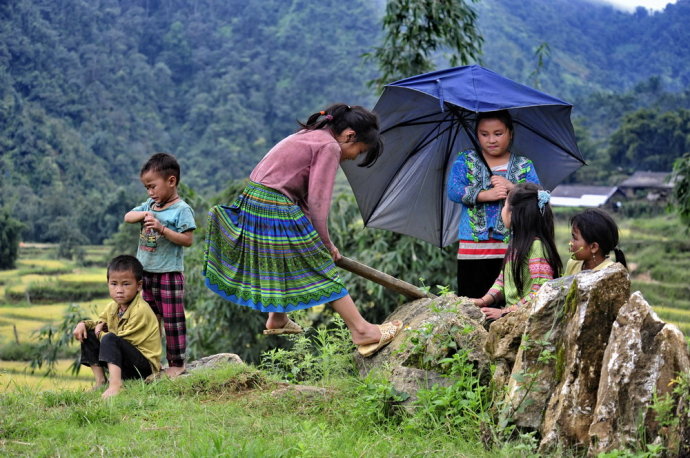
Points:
(219, 414)
(228, 412)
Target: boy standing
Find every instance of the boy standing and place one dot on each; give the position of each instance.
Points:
(126, 336)
(167, 226)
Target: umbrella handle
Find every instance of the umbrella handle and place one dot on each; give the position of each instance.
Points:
(406, 289)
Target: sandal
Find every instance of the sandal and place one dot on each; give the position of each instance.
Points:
(290, 328)
(388, 332)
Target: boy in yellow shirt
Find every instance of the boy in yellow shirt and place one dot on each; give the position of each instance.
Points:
(125, 338)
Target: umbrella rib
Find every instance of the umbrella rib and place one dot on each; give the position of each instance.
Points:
(449, 145)
(550, 141)
(424, 142)
(415, 122)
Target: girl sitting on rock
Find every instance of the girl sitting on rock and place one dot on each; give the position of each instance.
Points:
(594, 236)
(531, 259)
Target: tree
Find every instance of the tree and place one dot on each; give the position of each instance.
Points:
(649, 139)
(10, 230)
(681, 189)
(415, 29)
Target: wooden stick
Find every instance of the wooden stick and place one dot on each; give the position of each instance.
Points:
(379, 277)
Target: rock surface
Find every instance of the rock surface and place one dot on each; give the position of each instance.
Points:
(588, 312)
(213, 361)
(643, 355)
(433, 329)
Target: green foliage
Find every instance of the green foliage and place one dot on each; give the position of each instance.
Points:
(595, 47)
(10, 229)
(91, 89)
(649, 139)
(54, 341)
(378, 401)
(46, 292)
(415, 29)
(461, 408)
(13, 351)
(681, 189)
(326, 354)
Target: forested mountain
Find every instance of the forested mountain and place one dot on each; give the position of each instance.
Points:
(593, 46)
(89, 89)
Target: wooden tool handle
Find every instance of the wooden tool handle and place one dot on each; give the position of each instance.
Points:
(379, 277)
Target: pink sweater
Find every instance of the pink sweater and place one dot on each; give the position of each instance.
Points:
(303, 167)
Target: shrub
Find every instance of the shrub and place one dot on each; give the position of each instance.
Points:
(58, 291)
(24, 351)
(323, 354)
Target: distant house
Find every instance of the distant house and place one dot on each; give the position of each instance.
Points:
(651, 185)
(575, 195)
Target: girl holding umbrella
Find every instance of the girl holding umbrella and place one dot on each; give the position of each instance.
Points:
(481, 181)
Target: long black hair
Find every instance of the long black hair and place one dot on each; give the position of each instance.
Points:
(596, 225)
(529, 221)
(339, 117)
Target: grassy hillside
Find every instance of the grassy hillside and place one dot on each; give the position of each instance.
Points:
(254, 411)
(656, 247)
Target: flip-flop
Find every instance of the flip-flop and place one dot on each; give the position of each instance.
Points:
(290, 328)
(389, 330)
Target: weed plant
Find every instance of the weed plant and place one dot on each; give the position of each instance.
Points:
(318, 354)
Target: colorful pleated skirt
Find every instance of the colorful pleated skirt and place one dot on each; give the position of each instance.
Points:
(263, 252)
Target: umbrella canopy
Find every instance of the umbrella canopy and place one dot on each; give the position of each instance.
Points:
(426, 120)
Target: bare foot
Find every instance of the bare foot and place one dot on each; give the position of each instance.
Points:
(174, 371)
(111, 391)
(98, 385)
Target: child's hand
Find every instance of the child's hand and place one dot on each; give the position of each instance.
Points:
(499, 181)
(80, 331)
(151, 222)
(492, 313)
(100, 327)
(335, 254)
(496, 193)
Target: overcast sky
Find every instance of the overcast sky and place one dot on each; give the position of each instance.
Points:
(630, 5)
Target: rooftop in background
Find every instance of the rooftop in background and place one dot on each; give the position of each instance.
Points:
(567, 195)
(648, 180)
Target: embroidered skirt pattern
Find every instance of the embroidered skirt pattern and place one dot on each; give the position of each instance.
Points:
(264, 253)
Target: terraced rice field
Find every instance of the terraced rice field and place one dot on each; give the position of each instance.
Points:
(21, 320)
(17, 375)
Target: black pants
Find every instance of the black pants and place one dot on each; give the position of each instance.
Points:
(114, 350)
(475, 276)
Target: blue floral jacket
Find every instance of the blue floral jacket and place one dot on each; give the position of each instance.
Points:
(468, 177)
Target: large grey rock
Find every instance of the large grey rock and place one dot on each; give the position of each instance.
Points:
(433, 329)
(535, 374)
(503, 343)
(590, 308)
(644, 354)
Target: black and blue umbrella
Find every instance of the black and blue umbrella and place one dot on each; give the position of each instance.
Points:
(426, 120)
